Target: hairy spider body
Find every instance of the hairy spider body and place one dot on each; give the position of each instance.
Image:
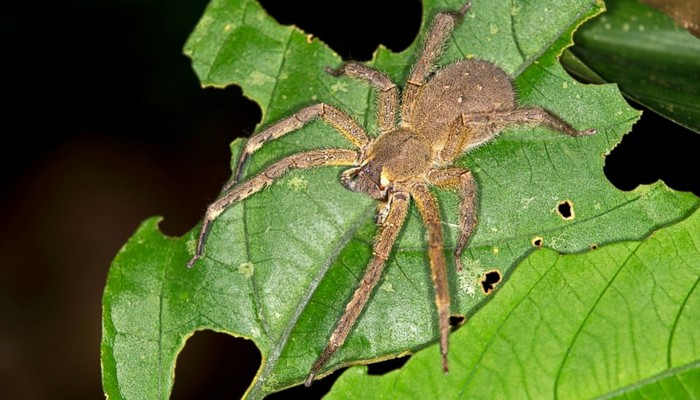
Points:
(442, 114)
(465, 87)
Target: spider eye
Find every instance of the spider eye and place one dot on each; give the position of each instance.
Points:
(365, 180)
(349, 178)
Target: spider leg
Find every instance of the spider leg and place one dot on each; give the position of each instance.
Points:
(388, 93)
(333, 116)
(305, 160)
(388, 231)
(441, 29)
(464, 181)
(427, 205)
(483, 126)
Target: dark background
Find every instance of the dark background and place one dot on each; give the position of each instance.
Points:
(104, 124)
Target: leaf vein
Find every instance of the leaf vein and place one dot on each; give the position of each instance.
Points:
(273, 92)
(579, 331)
(491, 339)
(652, 379)
(516, 39)
(672, 333)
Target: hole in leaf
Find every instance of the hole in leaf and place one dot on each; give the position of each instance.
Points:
(457, 320)
(317, 390)
(386, 366)
(215, 365)
(537, 241)
(357, 30)
(565, 209)
(594, 246)
(672, 156)
(490, 280)
(198, 155)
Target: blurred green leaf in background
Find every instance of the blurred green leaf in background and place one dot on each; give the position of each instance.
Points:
(654, 61)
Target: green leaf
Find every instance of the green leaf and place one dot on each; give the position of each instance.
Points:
(279, 267)
(654, 61)
(618, 322)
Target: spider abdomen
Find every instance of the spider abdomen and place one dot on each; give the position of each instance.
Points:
(464, 87)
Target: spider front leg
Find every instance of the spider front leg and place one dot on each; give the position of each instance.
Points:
(464, 181)
(333, 116)
(388, 93)
(309, 159)
(388, 231)
(427, 205)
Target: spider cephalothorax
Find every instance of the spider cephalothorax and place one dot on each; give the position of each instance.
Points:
(385, 163)
(439, 116)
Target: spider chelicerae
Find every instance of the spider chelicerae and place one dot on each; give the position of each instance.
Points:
(439, 115)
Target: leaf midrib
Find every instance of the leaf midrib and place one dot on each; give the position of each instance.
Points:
(257, 388)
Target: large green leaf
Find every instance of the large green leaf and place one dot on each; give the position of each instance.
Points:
(655, 62)
(280, 266)
(618, 322)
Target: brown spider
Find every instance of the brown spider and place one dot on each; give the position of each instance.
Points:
(443, 114)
